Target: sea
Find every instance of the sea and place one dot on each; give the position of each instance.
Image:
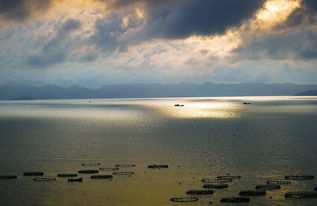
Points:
(257, 138)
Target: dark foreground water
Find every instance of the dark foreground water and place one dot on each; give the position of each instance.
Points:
(268, 139)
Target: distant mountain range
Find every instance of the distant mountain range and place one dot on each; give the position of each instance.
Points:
(308, 93)
(154, 90)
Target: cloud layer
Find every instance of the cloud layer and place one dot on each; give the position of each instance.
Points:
(150, 40)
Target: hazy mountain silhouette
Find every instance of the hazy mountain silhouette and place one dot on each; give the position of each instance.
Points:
(154, 90)
(308, 93)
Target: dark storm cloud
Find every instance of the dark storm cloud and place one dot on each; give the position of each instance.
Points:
(199, 17)
(167, 19)
(19, 10)
(55, 50)
(301, 45)
(305, 14)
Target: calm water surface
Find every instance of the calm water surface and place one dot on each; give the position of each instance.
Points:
(270, 138)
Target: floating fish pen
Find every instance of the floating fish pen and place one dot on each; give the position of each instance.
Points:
(66, 175)
(123, 173)
(33, 173)
(101, 177)
(90, 164)
(125, 165)
(155, 166)
(252, 192)
(278, 182)
(109, 168)
(44, 179)
(199, 192)
(299, 177)
(215, 186)
(235, 199)
(268, 187)
(7, 177)
(228, 177)
(184, 199)
(88, 171)
(80, 179)
(215, 180)
(300, 195)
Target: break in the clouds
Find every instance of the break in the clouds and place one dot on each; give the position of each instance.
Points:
(114, 41)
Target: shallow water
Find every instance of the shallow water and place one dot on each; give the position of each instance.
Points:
(268, 139)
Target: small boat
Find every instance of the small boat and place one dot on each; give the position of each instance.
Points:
(101, 177)
(155, 166)
(300, 195)
(228, 177)
(109, 168)
(88, 171)
(252, 192)
(66, 175)
(80, 179)
(125, 165)
(268, 187)
(246, 102)
(278, 182)
(90, 164)
(315, 188)
(33, 173)
(44, 179)
(215, 186)
(235, 199)
(7, 177)
(123, 173)
(176, 105)
(184, 199)
(299, 177)
(199, 192)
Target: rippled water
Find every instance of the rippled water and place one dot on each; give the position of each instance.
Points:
(270, 138)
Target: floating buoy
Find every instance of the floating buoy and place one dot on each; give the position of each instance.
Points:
(66, 175)
(268, 187)
(44, 179)
(299, 177)
(7, 177)
(155, 166)
(101, 176)
(215, 186)
(300, 195)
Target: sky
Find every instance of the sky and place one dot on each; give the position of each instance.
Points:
(98, 42)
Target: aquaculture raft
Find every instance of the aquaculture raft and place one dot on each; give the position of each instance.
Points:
(300, 195)
(199, 192)
(75, 179)
(88, 171)
(101, 177)
(33, 173)
(278, 182)
(108, 168)
(7, 177)
(123, 173)
(268, 187)
(90, 164)
(299, 177)
(44, 179)
(215, 180)
(228, 177)
(155, 166)
(215, 186)
(66, 175)
(125, 165)
(235, 199)
(252, 192)
(184, 199)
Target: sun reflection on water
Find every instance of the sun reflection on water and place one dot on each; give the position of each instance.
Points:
(192, 110)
